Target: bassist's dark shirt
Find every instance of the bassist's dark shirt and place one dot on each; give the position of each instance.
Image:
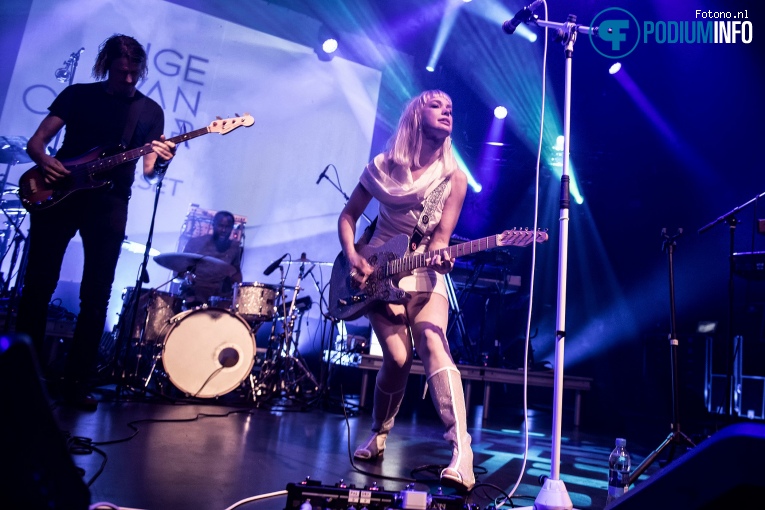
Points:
(95, 118)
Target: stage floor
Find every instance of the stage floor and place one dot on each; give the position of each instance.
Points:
(152, 453)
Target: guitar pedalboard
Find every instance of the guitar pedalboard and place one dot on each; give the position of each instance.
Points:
(312, 495)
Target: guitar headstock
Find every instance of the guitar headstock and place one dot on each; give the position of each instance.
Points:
(518, 237)
(224, 126)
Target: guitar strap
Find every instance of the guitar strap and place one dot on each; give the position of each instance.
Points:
(366, 236)
(429, 207)
(136, 107)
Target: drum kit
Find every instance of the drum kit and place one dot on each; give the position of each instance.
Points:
(12, 214)
(209, 350)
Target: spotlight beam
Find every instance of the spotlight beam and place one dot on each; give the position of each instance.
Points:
(444, 29)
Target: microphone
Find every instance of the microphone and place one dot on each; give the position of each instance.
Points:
(521, 16)
(144, 275)
(270, 269)
(323, 173)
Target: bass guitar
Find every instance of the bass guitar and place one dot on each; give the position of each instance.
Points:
(92, 169)
(348, 302)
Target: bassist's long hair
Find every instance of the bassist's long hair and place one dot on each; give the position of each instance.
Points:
(118, 46)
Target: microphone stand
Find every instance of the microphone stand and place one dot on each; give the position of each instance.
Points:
(71, 62)
(347, 198)
(325, 390)
(142, 277)
(730, 219)
(676, 436)
(553, 495)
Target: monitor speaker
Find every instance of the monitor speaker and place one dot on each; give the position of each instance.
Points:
(38, 470)
(724, 471)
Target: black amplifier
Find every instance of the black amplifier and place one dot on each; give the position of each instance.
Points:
(749, 265)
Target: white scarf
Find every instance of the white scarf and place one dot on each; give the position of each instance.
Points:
(395, 187)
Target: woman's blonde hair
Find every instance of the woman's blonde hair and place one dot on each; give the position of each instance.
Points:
(406, 143)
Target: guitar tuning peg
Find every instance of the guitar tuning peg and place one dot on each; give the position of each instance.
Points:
(237, 115)
(218, 117)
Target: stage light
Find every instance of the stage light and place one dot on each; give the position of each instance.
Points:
(615, 68)
(329, 45)
(500, 112)
(326, 44)
(429, 68)
(448, 19)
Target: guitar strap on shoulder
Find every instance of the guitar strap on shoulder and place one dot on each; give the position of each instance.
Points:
(429, 207)
(136, 107)
(366, 236)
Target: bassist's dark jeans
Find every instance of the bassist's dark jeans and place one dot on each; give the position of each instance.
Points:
(100, 216)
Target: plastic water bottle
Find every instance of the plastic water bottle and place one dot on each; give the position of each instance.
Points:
(619, 465)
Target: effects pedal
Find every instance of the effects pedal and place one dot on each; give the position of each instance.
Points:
(312, 495)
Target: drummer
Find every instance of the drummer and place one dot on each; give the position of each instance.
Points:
(208, 281)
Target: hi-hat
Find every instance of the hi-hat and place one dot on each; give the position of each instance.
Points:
(13, 149)
(194, 263)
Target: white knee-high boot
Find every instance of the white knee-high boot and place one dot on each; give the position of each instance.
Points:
(448, 397)
(384, 410)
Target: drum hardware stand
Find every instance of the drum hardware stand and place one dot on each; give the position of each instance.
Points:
(278, 373)
(17, 154)
(18, 238)
(676, 436)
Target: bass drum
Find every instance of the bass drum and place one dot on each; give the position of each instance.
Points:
(208, 352)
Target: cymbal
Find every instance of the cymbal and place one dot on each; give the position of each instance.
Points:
(13, 149)
(194, 262)
(12, 207)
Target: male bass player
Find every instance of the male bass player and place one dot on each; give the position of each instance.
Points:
(110, 111)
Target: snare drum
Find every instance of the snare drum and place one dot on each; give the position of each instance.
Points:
(155, 309)
(208, 352)
(255, 301)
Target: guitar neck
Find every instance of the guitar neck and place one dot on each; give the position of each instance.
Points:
(107, 163)
(412, 262)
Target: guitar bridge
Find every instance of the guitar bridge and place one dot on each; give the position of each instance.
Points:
(358, 298)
